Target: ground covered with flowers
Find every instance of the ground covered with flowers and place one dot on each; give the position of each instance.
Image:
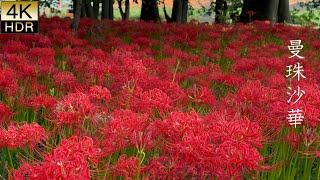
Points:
(156, 101)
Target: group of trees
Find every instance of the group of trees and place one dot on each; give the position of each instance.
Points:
(273, 10)
(84, 8)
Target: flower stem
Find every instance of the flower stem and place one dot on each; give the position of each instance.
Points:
(10, 159)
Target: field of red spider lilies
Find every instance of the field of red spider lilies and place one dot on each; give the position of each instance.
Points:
(134, 100)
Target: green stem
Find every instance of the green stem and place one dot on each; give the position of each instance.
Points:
(318, 176)
(10, 159)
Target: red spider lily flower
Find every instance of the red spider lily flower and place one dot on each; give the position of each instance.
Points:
(67, 161)
(73, 109)
(150, 100)
(65, 80)
(125, 129)
(19, 136)
(8, 82)
(45, 66)
(99, 93)
(241, 130)
(234, 158)
(41, 52)
(293, 138)
(126, 167)
(99, 54)
(40, 101)
(231, 80)
(14, 47)
(158, 168)
(5, 112)
(251, 13)
(202, 95)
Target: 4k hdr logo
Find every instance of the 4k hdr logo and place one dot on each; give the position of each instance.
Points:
(19, 17)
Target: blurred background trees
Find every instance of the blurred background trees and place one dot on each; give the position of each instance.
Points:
(182, 11)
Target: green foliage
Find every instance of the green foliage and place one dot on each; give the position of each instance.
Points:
(232, 14)
(307, 13)
(220, 90)
(306, 17)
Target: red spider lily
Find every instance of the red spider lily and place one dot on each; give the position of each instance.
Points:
(41, 101)
(126, 167)
(13, 47)
(8, 82)
(126, 129)
(294, 139)
(5, 112)
(41, 52)
(126, 91)
(154, 99)
(98, 93)
(67, 161)
(73, 109)
(19, 136)
(65, 81)
(202, 95)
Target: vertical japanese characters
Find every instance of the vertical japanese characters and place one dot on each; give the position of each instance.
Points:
(295, 74)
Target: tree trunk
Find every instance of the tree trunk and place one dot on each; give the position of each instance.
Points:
(184, 15)
(273, 10)
(220, 10)
(76, 19)
(89, 9)
(178, 15)
(127, 9)
(283, 11)
(176, 11)
(83, 9)
(124, 13)
(150, 11)
(75, 2)
(107, 9)
(121, 9)
(96, 8)
(179, 12)
(111, 16)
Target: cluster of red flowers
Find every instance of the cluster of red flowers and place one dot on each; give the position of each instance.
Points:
(67, 161)
(158, 101)
(20, 136)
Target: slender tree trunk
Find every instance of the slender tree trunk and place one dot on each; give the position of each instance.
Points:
(253, 10)
(76, 19)
(107, 9)
(75, 2)
(111, 16)
(124, 13)
(273, 10)
(121, 9)
(184, 15)
(176, 10)
(283, 11)
(96, 8)
(220, 10)
(127, 9)
(179, 12)
(150, 11)
(178, 17)
(89, 9)
(83, 9)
